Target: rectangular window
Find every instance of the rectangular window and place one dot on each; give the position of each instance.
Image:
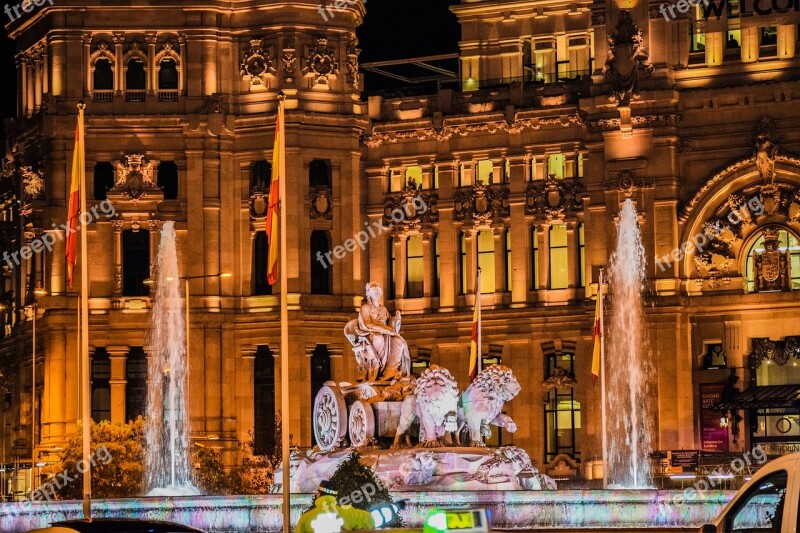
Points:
(462, 250)
(395, 181)
(559, 261)
(414, 173)
(464, 177)
(509, 266)
(697, 29)
(486, 260)
(562, 412)
(573, 166)
(415, 267)
(555, 166)
(484, 170)
(538, 168)
(581, 256)
(436, 280)
(534, 259)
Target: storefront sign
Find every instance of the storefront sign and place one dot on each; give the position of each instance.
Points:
(713, 437)
(780, 448)
(687, 460)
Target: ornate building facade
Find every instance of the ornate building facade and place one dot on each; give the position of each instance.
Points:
(563, 111)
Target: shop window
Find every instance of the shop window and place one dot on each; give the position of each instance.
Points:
(321, 270)
(414, 267)
(101, 388)
(136, 383)
(486, 261)
(261, 286)
(168, 179)
(135, 262)
(264, 402)
(562, 411)
(559, 261)
(103, 179)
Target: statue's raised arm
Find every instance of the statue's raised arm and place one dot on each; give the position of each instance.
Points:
(381, 352)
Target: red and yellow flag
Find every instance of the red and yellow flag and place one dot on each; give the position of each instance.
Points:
(474, 345)
(78, 177)
(278, 163)
(597, 330)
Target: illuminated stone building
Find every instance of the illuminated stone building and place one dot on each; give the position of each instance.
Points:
(562, 111)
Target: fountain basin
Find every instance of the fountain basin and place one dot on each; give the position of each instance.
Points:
(564, 509)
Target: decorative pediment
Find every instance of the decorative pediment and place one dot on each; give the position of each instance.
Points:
(411, 209)
(554, 199)
(257, 64)
(320, 61)
(627, 60)
(482, 204)
(135, 177)
(778, 352)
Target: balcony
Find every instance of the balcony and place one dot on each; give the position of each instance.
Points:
(135, 96)
(168, 95)
(103, 95)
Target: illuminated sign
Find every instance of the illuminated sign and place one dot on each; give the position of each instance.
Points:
(462, 520)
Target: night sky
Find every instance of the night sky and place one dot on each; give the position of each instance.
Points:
(392, 29)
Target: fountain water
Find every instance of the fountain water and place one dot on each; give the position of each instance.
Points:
(167, 426)
(628, 360)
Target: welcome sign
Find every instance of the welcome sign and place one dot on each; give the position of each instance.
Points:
(751, 12)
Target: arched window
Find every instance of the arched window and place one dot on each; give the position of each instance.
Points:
(168, 179)
(261, 175)
(136, 383)
(101, 390)
(260, 248)
(319, 173)
(103, 75)
(264, 402)
(135, 78)
(103, 179)
(787, 241)
(168, 74)
(321, 273)
(320, 373)
(135, 262)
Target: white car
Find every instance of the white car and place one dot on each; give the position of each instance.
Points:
(115, 525)
(769, 502)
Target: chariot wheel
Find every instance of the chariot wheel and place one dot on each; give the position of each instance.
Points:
(330, 418)
(362, 424)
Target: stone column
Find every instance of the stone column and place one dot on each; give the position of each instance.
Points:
(45, 71)
(58, 47)
(31, 86)
(37, 87)
(86, 39)
(182, 66)
(118, 355)
(116, 224)
(399, 243)
(154, 227)
(750, 44)
(787, 39)
(152, 83)
(209, 50)
(119, 70)
(428, 257)
(22, 77)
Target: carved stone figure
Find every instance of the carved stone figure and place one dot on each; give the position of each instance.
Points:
(765, 150)
(380, 350)
(627, 60)
(32, 183)
(434, 403)
(321, 62)
(482, 404)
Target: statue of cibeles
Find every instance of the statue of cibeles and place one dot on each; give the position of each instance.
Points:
(381, 352)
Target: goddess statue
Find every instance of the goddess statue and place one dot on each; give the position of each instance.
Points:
(381, 352)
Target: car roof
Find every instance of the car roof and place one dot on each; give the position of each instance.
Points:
(124, 525)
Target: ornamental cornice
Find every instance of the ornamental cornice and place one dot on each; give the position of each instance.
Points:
(641, 121)
(448, 131)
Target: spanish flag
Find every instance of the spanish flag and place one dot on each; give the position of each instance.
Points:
(475, 343)
(78, 177)
(278, 163)
(597, 331)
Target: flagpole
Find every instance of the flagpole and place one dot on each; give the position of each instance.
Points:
(603, 383)
(478, 308)
(284, 349)
(86, 405)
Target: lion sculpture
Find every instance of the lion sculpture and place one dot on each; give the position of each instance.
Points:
(482, 404)
(435, 404)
